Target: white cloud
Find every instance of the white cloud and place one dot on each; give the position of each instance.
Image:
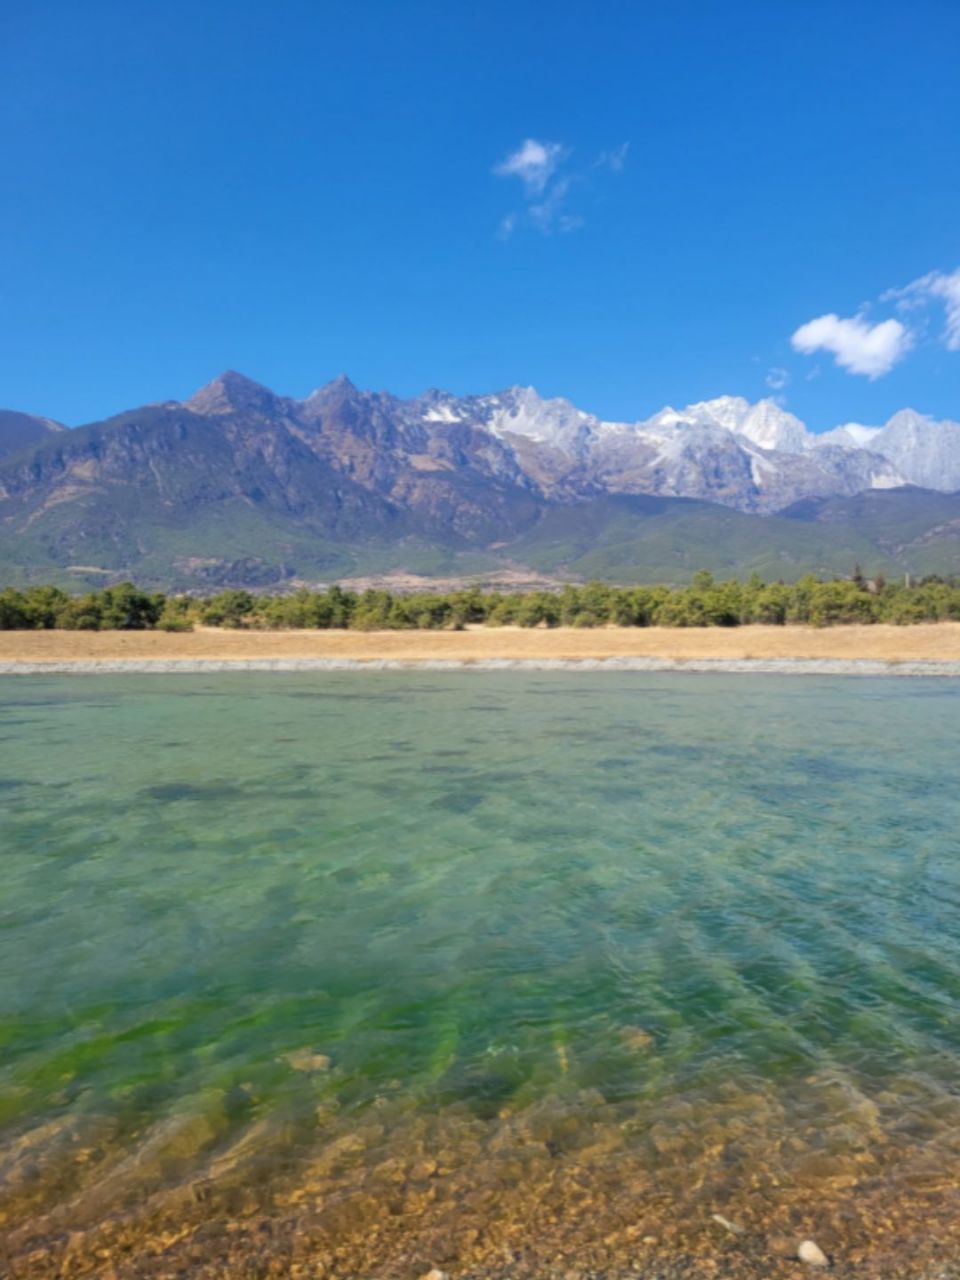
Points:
(507, 227)
(855, 344)
(777, 379)
(548, 182)
(937, 286)
(549, 215)
(534, 163)
(613, 160)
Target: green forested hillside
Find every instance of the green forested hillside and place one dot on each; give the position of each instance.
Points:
(647, 539)
(232, 542)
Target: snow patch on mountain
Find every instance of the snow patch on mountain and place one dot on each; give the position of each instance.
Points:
(852, 435)
(442, 413)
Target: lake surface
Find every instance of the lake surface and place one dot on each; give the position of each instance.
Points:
(508, 973)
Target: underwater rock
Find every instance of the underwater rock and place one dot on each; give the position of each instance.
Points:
(810, 1252)
(307, 1060)
(638, 1039)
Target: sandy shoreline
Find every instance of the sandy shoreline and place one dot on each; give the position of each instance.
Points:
(922, 649)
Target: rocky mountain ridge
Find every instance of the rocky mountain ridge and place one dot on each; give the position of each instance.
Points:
(239, 482)
(752, 456)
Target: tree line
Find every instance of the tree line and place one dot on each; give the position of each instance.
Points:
(704, 603)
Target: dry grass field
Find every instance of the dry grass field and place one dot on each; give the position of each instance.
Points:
(935, 642)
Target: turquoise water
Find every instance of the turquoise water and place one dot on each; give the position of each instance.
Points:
(641, 923)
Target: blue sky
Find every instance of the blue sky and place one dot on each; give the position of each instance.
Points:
(300, 189)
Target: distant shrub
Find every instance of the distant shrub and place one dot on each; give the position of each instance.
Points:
(170, 622)
(704, 603)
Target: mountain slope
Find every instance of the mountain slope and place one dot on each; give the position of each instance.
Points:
(917, 530)
(24, 430)
(238, 491)
(241, 485)
(651, 539)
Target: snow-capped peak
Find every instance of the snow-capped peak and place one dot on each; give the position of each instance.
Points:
(725, 411)
(756, 456)
(664, 418)
(520, 411)
(912, 421)
(923, 449)
(772, 427)
(765, 423)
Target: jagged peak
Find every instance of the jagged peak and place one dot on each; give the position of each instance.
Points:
(341, 385)
(522, 411)
(517, 398)
(764, 422)
(721, 408)
(229, 392)
(910, 417)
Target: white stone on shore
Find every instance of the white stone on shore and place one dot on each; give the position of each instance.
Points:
(811, 1253)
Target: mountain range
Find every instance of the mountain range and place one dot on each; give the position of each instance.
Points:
(241, 486)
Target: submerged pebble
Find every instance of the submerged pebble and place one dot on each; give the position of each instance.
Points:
(637, 1039)
(811, 1253)
(307, 1060)
(733, 1227)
